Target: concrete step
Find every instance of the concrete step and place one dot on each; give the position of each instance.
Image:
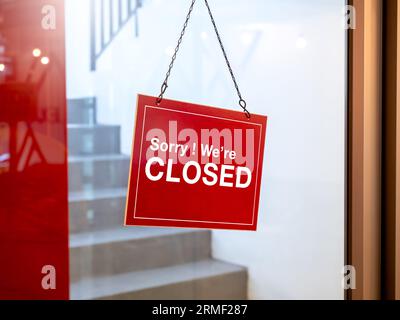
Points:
(93, 139)
(127, 249)
(93, 210)
(82, 110)
(201, 280)
(98, 172)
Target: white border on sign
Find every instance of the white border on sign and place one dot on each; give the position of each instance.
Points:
(200, 221)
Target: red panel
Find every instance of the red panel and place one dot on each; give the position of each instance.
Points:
(33, 154)
(195, 198)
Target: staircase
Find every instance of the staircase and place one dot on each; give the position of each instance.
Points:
(109, 261)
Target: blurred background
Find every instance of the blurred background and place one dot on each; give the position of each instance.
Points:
(289, 58)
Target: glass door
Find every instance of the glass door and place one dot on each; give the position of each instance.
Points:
(290, 59)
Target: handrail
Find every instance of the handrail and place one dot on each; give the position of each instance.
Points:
(100, 38)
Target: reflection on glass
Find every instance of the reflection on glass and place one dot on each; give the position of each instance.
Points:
(33, 169)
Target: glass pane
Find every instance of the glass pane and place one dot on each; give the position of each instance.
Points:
(289, 59)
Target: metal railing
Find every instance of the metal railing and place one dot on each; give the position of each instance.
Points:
(107, 18)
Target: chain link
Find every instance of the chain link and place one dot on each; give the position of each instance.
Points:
(242, 103)
(164, 86)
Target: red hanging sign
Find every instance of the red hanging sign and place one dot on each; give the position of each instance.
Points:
(195, 166)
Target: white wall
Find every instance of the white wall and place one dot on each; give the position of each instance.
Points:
(289, 59)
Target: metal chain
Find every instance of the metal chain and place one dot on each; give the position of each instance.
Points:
(164, 86)
(242, 103)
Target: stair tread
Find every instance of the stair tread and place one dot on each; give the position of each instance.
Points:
(81, 98)
(94, 194)
(123, 234)
(98, 157)
(90, 125)
(94, 288)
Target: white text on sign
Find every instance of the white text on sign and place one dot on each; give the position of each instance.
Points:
(225, 175)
